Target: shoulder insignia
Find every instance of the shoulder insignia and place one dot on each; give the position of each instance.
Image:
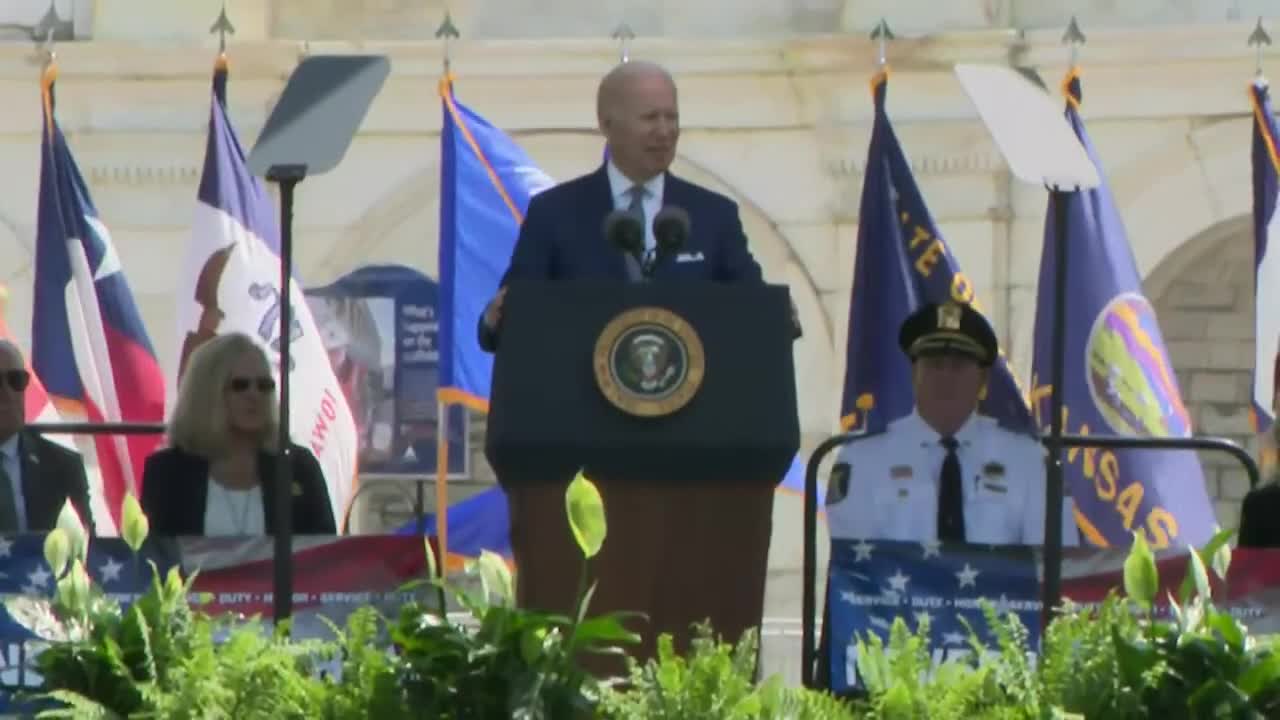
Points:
(838, 483)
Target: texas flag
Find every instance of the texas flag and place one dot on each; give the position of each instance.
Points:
(230, 282)
(88, 343)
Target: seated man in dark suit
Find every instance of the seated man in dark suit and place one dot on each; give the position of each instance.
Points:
(562, 236)
(37, 476)
(562, 239)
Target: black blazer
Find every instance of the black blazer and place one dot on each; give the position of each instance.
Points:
(562, 238)
(175, 486)
(1260, 518)
(50, 475)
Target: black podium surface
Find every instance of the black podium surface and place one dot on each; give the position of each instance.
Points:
(548, 416)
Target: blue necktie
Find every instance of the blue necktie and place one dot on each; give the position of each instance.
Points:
(636, 208)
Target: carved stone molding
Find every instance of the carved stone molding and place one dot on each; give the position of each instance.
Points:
(957, 164)
(143, 175)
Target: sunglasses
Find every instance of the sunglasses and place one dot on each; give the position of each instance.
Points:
(17, 380)
(242, 384)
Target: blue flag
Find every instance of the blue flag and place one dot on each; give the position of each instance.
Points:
(486, 181)
(1266, 188)
(902, 262)
(1118, 380)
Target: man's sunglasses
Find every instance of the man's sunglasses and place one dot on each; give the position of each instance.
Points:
(17, 380)
(242, 384)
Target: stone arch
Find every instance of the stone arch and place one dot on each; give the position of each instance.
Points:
(1203, 294)
(1191, 183)
(403, 226)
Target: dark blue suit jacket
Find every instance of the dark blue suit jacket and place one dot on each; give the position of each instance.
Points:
(562, 238)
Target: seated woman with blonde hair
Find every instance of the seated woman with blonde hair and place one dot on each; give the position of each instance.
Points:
(217, 476)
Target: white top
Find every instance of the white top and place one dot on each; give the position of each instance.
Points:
(233, 512)
(886, 487)
(621, 186)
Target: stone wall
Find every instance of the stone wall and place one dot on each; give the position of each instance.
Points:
(1206, 314)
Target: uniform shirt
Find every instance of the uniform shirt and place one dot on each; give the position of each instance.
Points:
(886, 487)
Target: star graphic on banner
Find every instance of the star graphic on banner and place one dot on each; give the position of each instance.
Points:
(39, 577)
(6, 547)
(932, 549)
(110, 570)
(953, 638)
(32, 590)
(849, 597)
(923, 617)
(862, 551)
(898, 582)
(967, 576)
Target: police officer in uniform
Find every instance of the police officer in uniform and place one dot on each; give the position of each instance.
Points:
(944, 473)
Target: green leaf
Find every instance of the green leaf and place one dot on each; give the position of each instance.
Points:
(69, 522)
(134, 523)
(1260, 676)
(1228, 627)
(586, 515)
(496, 576)
(1199, 575)
(605, 629)
(432, 570)
(57, 551)
(1141, 579)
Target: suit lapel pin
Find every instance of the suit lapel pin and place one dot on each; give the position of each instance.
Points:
(297, 489)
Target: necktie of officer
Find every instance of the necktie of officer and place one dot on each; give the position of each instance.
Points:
(8, 500)
(951, 496)
(637, 193)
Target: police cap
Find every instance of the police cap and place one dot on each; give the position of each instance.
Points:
(949, 328)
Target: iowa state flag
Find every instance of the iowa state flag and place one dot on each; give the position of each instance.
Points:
(1119, 380)
(230, 282)
(486, 180)
(88, 343)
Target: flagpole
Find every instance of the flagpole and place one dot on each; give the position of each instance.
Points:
(1054, 475)
(446, 32)
(624, 35)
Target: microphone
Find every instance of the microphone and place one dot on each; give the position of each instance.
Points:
(625, 231)
(671, 229)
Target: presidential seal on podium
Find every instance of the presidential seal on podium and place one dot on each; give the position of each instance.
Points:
(649, 362)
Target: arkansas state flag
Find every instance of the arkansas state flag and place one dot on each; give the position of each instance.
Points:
(88, 343)
(230, 282)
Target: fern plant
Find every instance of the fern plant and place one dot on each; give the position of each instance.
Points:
(714, 682)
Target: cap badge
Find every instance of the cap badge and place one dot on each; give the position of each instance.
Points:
(949, 316)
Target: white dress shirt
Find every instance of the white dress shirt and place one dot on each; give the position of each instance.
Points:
(11, 461)
(621, 186)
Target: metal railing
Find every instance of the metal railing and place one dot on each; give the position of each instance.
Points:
(1053, 560)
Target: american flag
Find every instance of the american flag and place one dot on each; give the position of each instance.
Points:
(332, 577)
(872, 583)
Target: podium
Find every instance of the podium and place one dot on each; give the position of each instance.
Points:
(678, 399)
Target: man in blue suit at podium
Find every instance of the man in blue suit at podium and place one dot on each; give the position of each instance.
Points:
(562, 237)
(651, 524)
